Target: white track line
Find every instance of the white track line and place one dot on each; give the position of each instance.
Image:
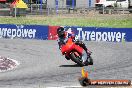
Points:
(77, 86)
(66, 87)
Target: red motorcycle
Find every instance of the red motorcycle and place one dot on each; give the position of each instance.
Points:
(74, 51)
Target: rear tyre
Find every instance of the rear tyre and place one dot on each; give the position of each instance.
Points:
(76, 59)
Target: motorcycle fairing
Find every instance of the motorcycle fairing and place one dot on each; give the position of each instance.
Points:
(71, 46)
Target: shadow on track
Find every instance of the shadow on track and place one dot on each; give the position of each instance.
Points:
(75, 65)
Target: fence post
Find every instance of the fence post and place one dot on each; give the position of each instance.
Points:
(15, 11)
(41, 6)
(89, 3)
(73, 4)
(31, 6)
(48, 10)
(62, 6)
(56, 4)
(103, 9)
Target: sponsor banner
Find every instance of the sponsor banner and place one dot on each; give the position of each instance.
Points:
(99, 34)
(23, 31)
(104, 34)
(86, 81)
(52, 33)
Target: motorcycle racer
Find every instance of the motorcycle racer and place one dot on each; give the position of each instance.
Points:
(63, 36)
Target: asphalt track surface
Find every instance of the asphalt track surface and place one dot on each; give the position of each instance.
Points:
(42, 65)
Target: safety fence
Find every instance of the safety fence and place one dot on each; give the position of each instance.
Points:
(37, 9)
(45, 10)
(45, 32)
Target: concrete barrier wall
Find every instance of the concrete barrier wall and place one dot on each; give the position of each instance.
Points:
(46, 32)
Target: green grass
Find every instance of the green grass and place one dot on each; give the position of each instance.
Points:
(72, 21)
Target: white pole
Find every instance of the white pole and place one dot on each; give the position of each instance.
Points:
(15, 11)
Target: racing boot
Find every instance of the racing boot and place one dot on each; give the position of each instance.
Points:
(84, 58)
(89, 59)
(88, 53)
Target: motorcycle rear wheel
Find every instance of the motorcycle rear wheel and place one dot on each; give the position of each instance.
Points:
(76, 59)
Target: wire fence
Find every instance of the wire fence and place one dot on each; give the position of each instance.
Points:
(43, 9)
(80, 10)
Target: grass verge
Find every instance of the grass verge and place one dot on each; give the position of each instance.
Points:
(100, 21)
